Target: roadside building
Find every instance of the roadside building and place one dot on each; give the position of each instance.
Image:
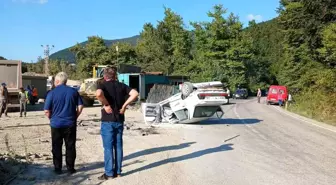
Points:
(38, 80)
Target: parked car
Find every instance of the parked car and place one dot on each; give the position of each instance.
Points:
(273, 94)
(240, 93)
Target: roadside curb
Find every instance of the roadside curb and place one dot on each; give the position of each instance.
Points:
(306, 120)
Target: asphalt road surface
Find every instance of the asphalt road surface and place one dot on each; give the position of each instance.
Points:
(254, 144)
(261, 144)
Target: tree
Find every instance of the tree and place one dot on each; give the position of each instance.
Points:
(152, 49)
(93, 52)
(220, 51)
(166, 47)
(126, 53)
(328, 51)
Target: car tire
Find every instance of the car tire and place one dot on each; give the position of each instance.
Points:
(187, 89)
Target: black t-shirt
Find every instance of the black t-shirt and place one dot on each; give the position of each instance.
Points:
(116, 94)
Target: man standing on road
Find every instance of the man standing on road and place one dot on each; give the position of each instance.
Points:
(113, 94)
(23, 102)
(63, 105)
(3, 99)
(259, 95)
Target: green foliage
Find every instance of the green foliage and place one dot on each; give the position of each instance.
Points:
(222, 50)
(296, 49)
(328, 51)
(37, 67)
(165, 47)
(56, 66)
(308, 62)
(96, 52)
(70, 57)
(316, 104)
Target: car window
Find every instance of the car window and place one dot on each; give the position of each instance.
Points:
(274, 91)
(205, 111)
(282, 91)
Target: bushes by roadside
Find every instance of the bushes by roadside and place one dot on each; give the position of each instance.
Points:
(319, 105)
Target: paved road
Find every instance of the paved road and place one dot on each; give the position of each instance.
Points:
(267, 147)
(255, 144)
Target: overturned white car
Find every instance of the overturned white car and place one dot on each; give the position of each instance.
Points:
(196, 102)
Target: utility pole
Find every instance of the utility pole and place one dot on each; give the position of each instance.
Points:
(47, 49)
(117, 49)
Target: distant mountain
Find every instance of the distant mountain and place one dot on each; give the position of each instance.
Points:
(66, 55)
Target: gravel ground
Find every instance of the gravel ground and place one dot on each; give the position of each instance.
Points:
(253, 144)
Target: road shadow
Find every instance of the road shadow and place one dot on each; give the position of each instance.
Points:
(43, 174)
(144, 153)
(157, 149)
(222, 148)
(230, 121)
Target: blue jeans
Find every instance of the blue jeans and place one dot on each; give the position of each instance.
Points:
(280, 102)
(111, 133)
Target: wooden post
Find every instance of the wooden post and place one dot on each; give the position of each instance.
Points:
(286, 105)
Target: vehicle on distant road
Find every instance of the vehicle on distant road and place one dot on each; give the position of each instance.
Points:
(274, 92)
(240, 94)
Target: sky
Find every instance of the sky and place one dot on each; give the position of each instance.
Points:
(28, 24)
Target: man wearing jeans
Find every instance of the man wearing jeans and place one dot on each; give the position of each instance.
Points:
(63, 105)
(113, 94)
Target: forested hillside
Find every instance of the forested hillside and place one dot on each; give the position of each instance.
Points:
(296, 49)
(67, 55)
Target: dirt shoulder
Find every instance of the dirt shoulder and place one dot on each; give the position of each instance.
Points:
(30, 137)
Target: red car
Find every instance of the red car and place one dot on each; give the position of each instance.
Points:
(274, 94)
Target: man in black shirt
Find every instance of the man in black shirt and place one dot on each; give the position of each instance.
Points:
(113, 95)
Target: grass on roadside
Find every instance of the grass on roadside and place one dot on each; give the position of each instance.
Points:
(316, 105)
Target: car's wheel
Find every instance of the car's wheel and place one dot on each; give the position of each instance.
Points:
(186, 89)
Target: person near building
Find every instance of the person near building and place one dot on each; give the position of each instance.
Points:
(34, 94)
(3, 99)
(29, 94)
(63, 106)
(113, 96)
(23, 101)
(259, 95)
